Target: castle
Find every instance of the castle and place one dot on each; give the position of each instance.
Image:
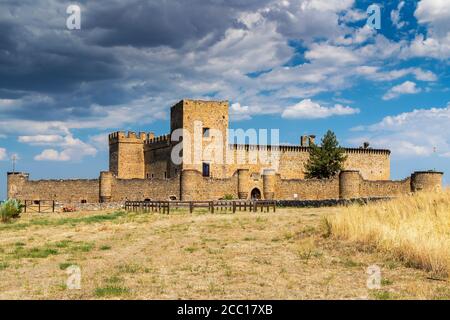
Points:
(142, 167)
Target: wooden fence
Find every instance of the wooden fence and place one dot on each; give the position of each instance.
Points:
(212, 206)
(43, 206)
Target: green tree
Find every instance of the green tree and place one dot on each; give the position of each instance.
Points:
(326, 160)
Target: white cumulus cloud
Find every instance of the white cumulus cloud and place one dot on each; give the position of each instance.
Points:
(307, 109)
(435, 15)
(70, 148)
(407, 87)
(421, 132)
(51, 155)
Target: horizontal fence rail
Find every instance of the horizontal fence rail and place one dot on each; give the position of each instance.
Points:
(212, 206)
(41, 206)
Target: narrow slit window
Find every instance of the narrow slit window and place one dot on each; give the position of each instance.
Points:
(205, 170)
(205, 132)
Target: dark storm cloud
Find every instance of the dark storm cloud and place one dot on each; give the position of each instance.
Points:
(157, 23)
(52, 73)
(51, 62)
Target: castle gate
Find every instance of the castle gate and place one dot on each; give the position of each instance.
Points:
(256, 194)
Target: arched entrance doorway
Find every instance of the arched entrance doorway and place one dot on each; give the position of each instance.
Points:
(256, 194)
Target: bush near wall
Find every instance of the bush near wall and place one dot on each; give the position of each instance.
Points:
(10, 209)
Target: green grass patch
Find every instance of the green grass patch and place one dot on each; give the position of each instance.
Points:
(190, 249)
(3, 265)
(64, 246)
(382, 295)
(65, 265)
(63, 243)
(35, 252)
(81, 247)
(105, 247)
(111, 290)
(63, 221)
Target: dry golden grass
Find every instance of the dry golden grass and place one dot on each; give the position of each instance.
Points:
(282, 255)
(415, 229)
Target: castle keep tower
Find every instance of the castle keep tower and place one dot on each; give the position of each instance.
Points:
(126, 154)
(203, 120)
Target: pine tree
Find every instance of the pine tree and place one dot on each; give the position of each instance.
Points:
(326, 160)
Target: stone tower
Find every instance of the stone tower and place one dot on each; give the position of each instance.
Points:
(126, 154)
(206, 124)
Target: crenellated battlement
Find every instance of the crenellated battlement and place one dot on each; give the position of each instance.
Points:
(130, 137)
(163, 138)
(292, 148)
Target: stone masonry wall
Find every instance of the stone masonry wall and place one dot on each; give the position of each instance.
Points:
(384, 188)
(126, 154)
(311, 189)
(191, 185)
(372, 164)
(196, 187)
(141, 189)
(194, 116)
(62, 190)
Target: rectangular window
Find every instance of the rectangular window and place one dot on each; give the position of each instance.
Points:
(205, 132)
(205, 170)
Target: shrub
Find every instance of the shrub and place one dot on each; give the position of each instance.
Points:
(10, 209)
(228, 197)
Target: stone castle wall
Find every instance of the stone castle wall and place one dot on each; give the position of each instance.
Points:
(373, 164)
(142, 189)
(311, 189)
(191, 185)
(78, 190)
(196, 187)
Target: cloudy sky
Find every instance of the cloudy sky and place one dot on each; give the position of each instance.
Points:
(303, 66)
